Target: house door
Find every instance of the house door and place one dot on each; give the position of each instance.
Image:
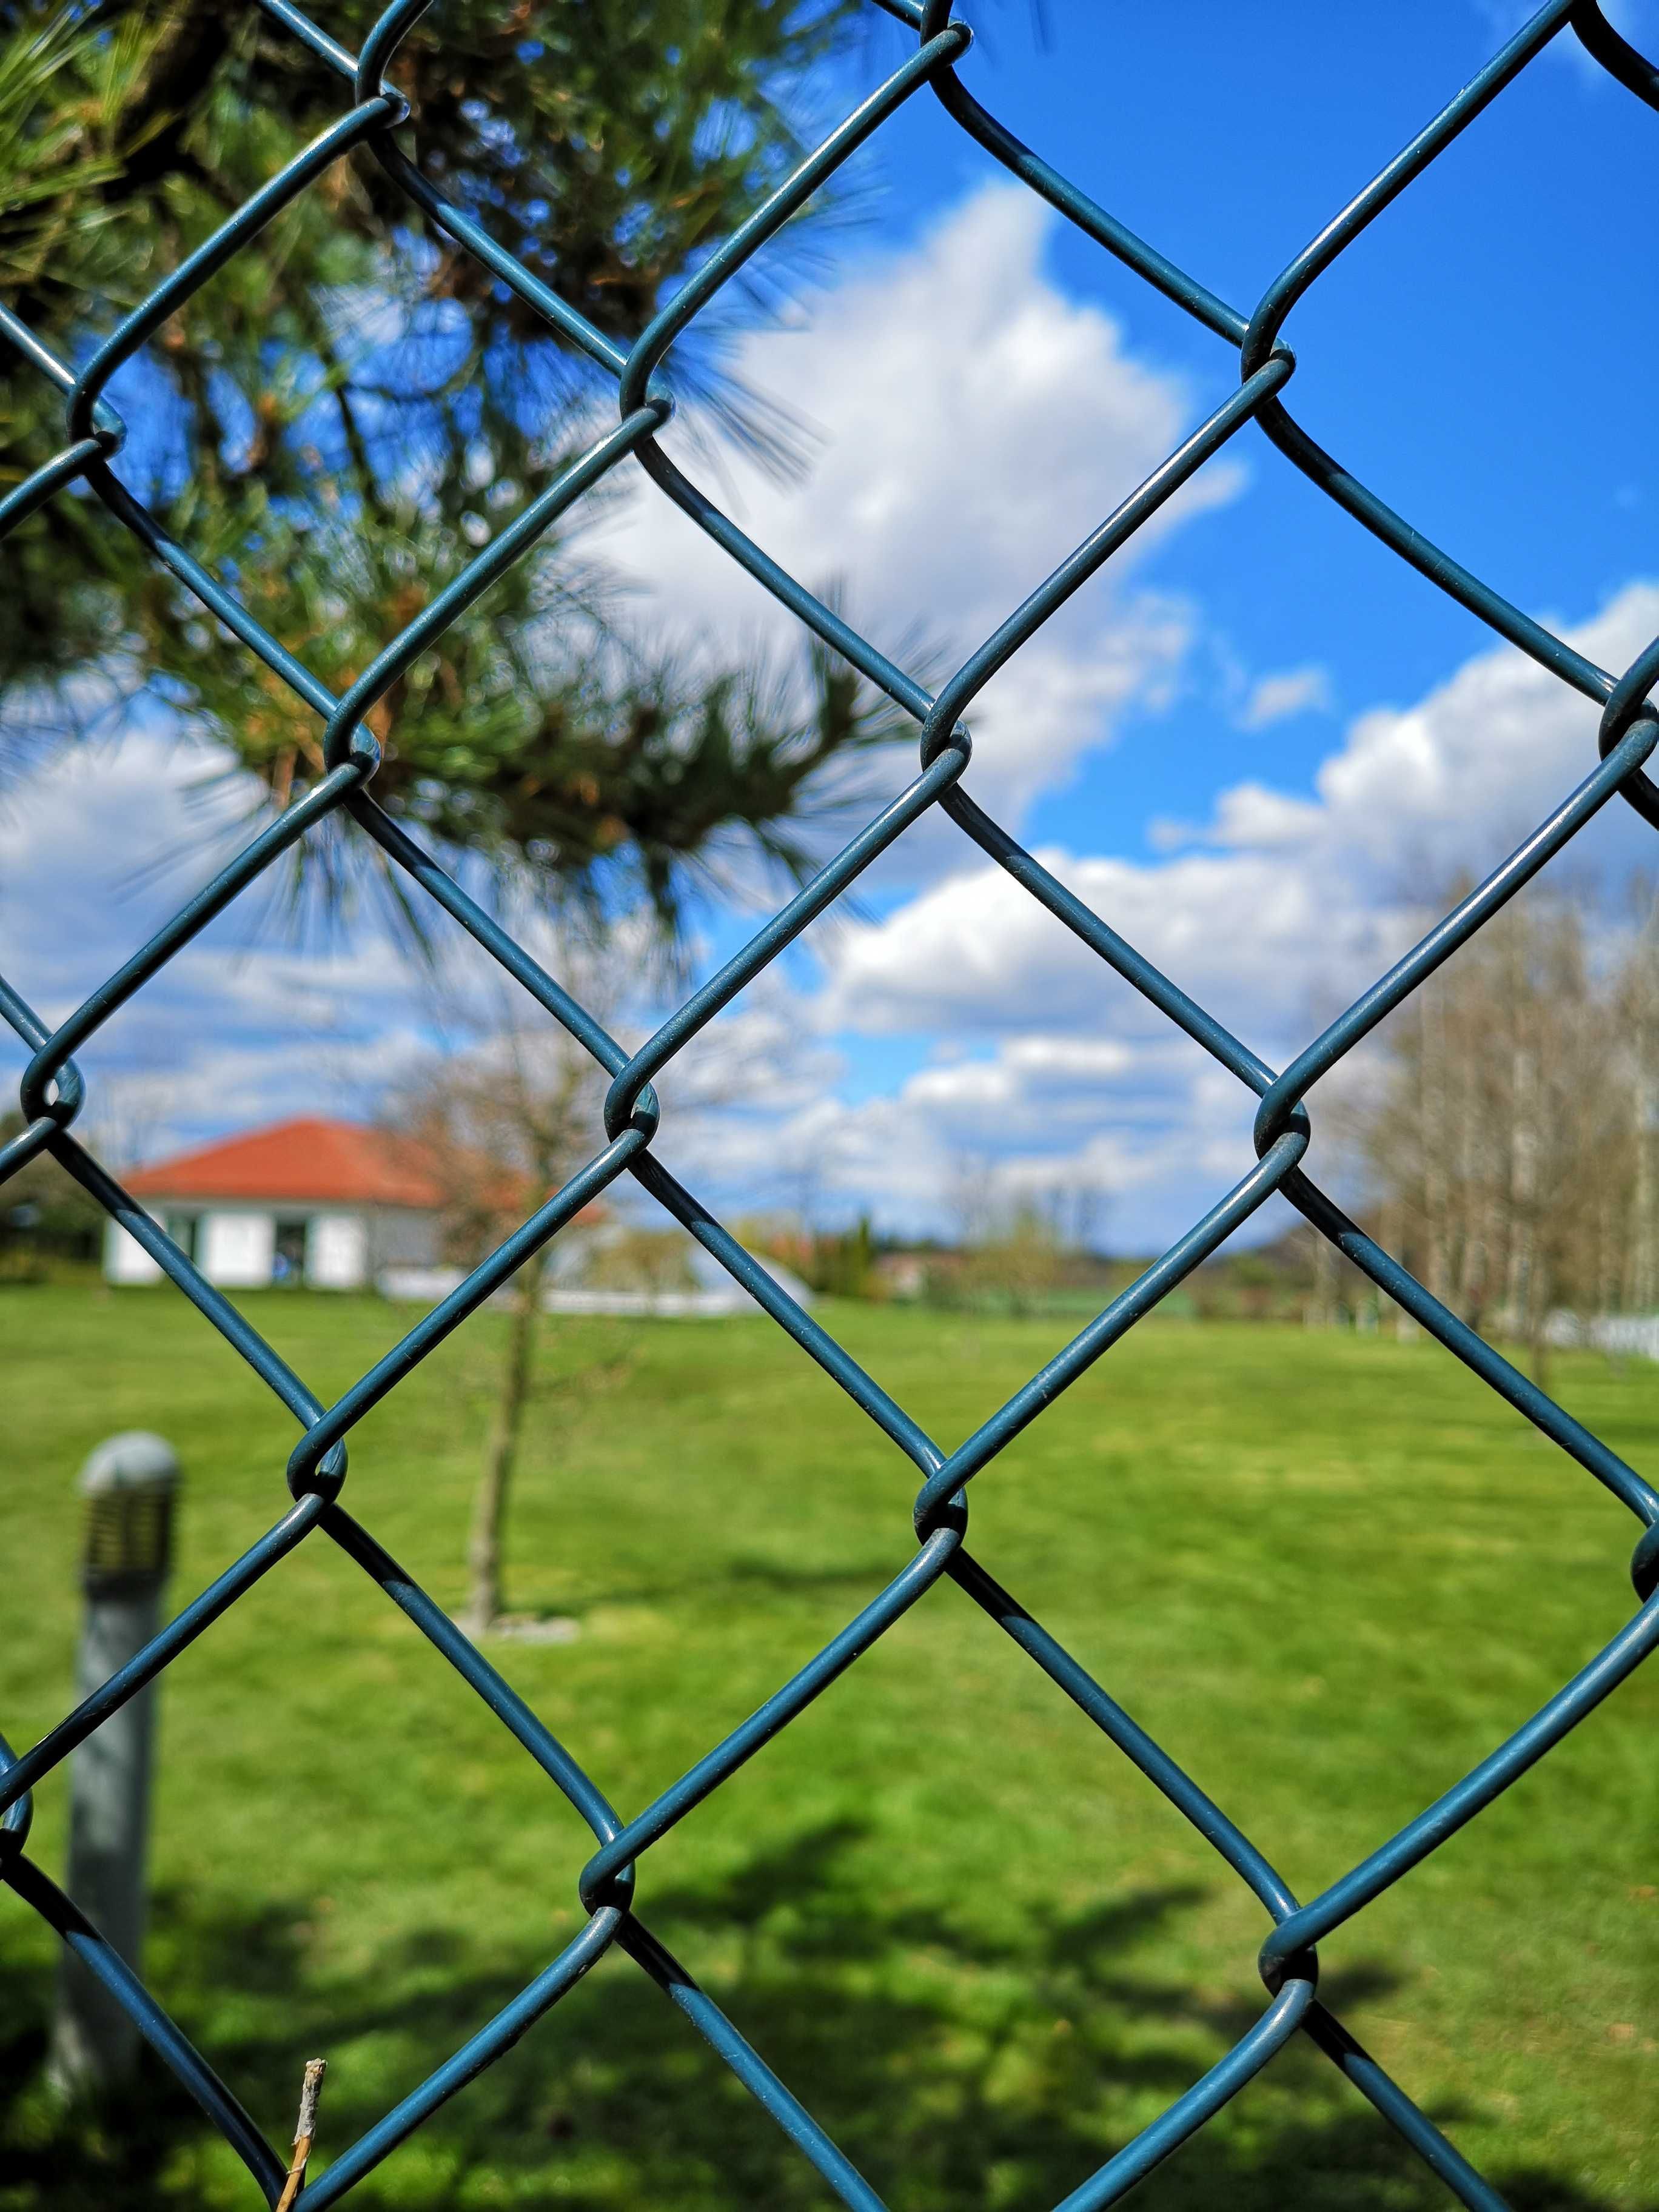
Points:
(287, 1263)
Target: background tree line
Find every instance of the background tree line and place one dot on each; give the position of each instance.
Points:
(1500, 1136)
(1507, 1136)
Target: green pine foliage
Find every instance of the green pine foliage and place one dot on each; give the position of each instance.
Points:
(344, 415)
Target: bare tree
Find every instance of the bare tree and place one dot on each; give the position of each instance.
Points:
(1510, 1142)
(1017, 1242)
(505, 1123)
(1638, 1015)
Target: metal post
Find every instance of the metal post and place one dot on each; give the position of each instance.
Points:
(129, 1484)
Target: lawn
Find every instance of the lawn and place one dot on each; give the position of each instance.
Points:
(1327, 1572)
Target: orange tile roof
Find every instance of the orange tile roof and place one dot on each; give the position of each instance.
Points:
(310, 1162)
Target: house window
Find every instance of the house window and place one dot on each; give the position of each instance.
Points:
(181, 1227)
(287, 1263)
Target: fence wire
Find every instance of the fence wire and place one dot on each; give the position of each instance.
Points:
(52, 1093)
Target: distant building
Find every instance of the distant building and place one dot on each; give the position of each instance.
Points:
(335, 1206)
(598, 1265)
(610, 1267)
(902, 1274)
(328, 1204)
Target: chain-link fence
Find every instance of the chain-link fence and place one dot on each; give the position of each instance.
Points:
(53, 1094)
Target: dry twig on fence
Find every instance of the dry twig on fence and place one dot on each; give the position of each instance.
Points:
(305, 2134)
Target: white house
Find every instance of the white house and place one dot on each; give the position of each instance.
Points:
(329, 1204)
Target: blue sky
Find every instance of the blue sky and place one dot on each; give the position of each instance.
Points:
(1464, 357)
(1255, 741)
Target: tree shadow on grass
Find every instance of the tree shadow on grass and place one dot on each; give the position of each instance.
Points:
(957, 2068)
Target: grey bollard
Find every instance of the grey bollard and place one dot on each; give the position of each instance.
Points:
(129, 1484)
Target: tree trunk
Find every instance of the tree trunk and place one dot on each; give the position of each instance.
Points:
(484, 1546)
(1538, 1330)
(1322, 1313)
(1434, 1144)
(1644, 1244)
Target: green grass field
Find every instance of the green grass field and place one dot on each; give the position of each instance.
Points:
(1327, 1572)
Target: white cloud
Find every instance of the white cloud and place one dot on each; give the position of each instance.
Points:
(1483, 757)
(247, 1024)
(1278, 912)
(971, 425)
(1292, 691)
(1150, 1129)
(1273, 913)
(250, 1021)
(1244, 933)
(1293, 896)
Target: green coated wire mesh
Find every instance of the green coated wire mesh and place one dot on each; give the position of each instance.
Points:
(53, 1092)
